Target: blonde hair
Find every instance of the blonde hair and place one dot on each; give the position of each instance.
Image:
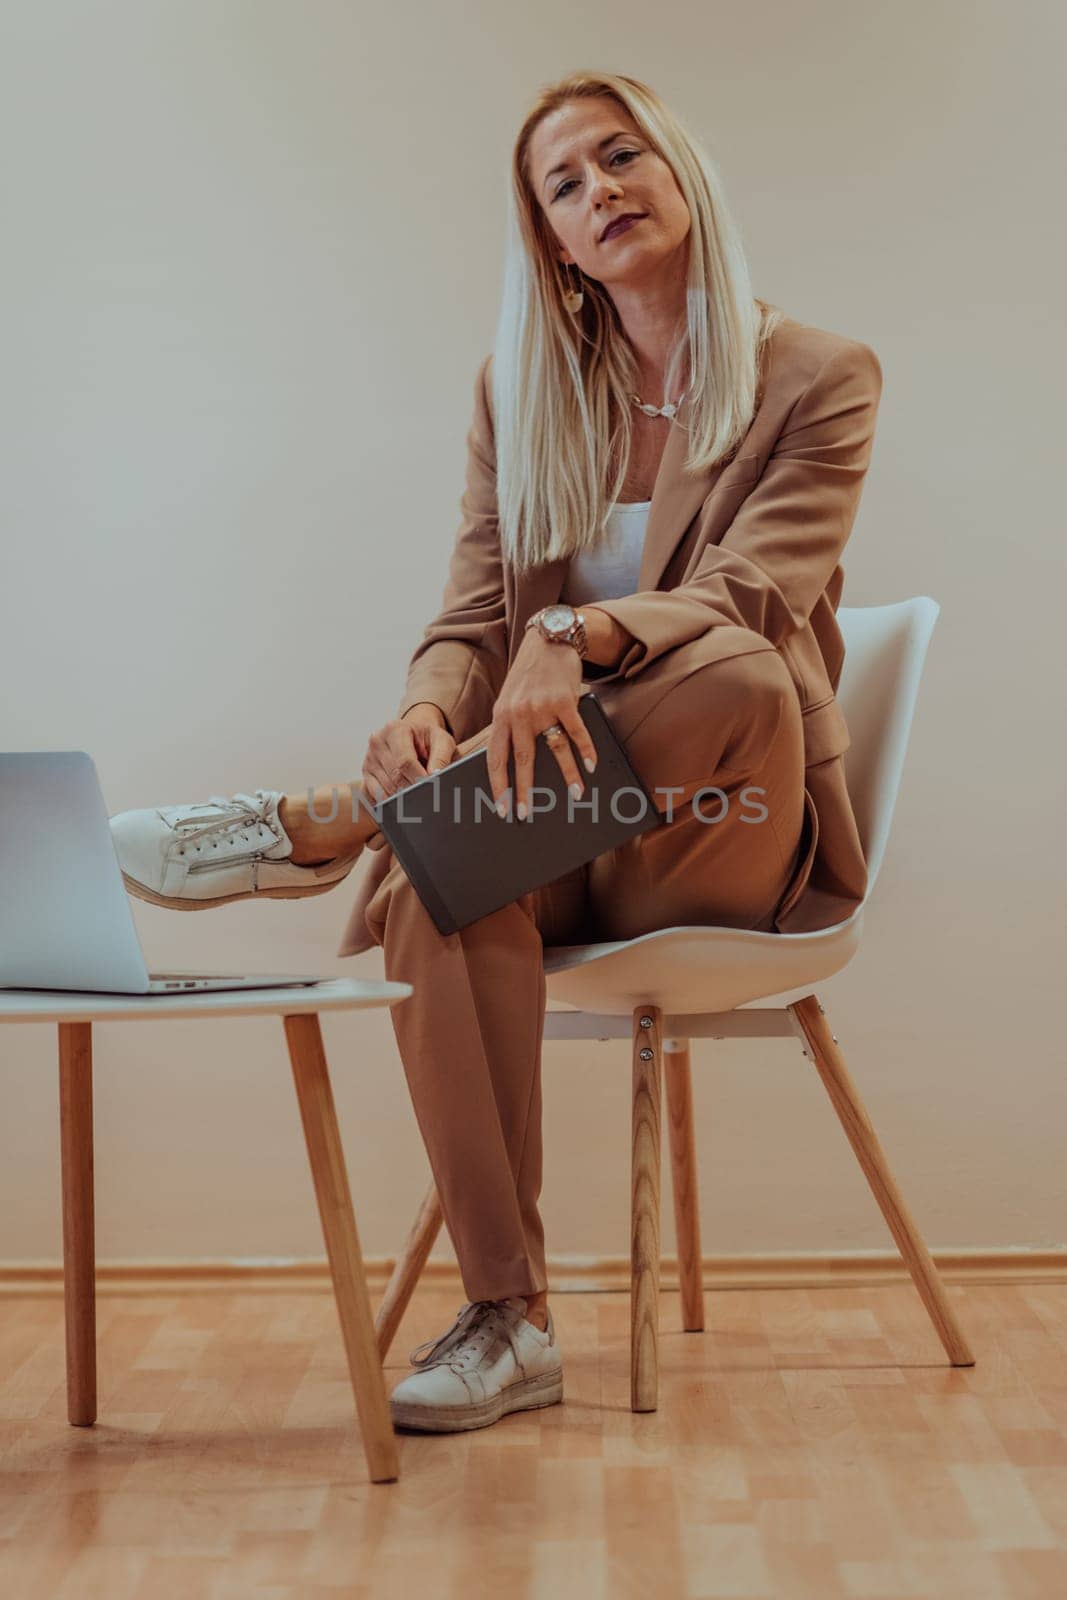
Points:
(561, 382)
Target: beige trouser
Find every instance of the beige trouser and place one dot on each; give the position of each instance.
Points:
(719, 712)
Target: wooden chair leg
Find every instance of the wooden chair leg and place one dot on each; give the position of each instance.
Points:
(79, 1247)
(326, 1156)
(644, 1210)
(405, 1275)
(838, 1083)
(678, 1082)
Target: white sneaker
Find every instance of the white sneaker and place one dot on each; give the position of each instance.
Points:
(196, 856)
(490, 1361)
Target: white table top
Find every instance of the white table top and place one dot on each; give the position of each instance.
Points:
(329, 994)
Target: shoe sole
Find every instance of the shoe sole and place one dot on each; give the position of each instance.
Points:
(142, 892)
(527, 1395)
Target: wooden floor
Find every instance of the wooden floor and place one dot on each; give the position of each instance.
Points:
(808, 1444)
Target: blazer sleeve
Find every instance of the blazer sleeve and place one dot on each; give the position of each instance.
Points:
(780, 551)
(461, 660)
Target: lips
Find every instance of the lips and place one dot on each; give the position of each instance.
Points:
(621, 224)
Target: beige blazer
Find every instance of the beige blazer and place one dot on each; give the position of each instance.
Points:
(754, 542)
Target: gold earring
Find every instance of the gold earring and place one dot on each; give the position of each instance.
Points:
(573, 299)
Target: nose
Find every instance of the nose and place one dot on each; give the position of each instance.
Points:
(603, 189)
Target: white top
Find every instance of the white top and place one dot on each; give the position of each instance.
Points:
(610, 569)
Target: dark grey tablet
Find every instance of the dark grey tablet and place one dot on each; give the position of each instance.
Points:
(464, 860)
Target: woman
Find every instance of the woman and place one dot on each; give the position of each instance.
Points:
(684, 463)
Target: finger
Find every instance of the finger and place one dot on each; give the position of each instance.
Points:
(522, 743)
(565, 761)
(442, 748)
(375, 785)
(405, 739)
(571, 718)
(496, 755)
(376, 840)
(408, 769)
(396, 771)
(399, 758)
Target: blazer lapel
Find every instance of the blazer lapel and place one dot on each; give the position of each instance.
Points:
(677, 496)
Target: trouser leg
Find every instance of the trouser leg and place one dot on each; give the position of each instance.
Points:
(720, 710)
(469, 1037)
(723, 756)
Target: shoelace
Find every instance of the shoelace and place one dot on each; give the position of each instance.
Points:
(239, 811)
(479, 1321)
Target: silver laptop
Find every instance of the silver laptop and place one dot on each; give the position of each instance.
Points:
(65, 919)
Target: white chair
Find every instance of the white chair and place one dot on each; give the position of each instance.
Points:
(676, 984)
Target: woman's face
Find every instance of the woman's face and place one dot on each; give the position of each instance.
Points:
(607, 169)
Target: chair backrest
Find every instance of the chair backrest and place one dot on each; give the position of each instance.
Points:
(885, 651)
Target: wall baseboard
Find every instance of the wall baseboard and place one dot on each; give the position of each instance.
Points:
(566, 1274)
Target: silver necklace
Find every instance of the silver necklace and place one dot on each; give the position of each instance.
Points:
(658, 411)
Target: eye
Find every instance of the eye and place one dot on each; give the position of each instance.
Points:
(562, 190)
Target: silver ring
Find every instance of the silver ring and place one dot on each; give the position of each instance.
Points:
(554, 735)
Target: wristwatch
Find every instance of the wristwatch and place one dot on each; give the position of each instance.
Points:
(561, 624)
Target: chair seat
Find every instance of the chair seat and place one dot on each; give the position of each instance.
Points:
(697, 969)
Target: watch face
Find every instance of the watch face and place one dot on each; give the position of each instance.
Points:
(557, 619)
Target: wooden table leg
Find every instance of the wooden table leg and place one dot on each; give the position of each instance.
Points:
(304, 1038)
(79, 1249)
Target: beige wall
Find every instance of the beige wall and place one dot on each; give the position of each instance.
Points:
(251, 262)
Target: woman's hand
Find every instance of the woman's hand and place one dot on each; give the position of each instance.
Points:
(407, 748)
(542, 687)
